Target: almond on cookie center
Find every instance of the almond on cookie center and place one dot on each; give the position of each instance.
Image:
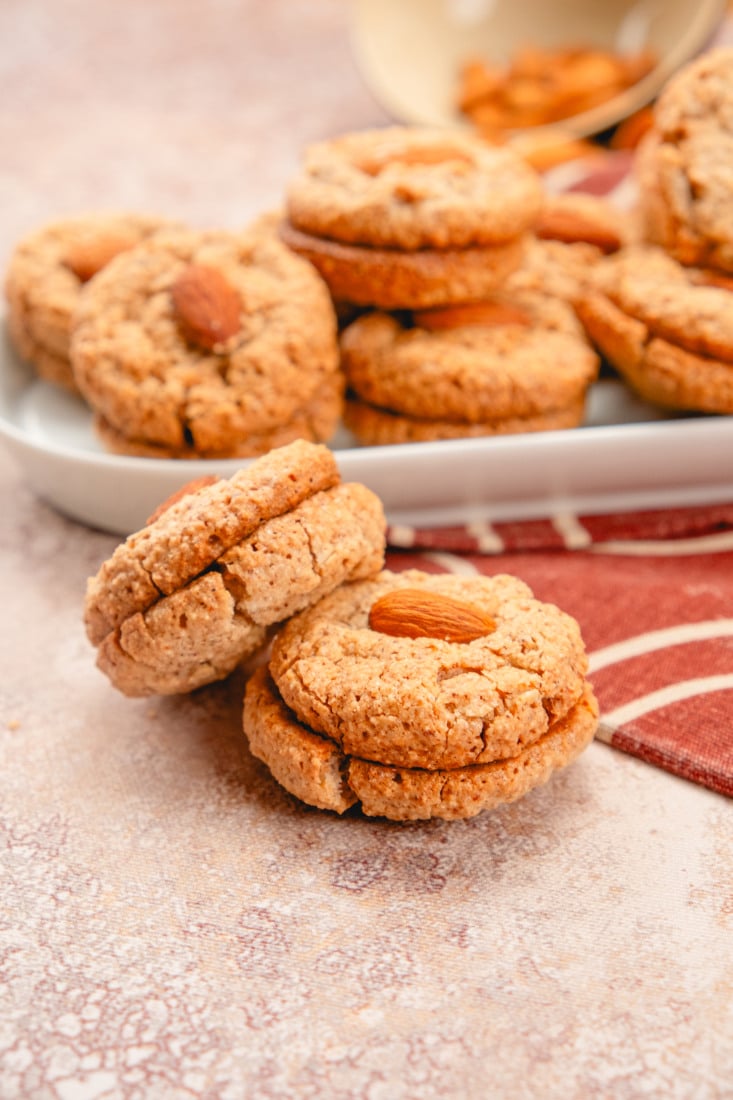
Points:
(207, 307)
(419, 613)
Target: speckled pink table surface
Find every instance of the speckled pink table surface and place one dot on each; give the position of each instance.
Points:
(171, 923)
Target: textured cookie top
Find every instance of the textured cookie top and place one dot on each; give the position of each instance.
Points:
(689, 161)
(672, 301)
(423, 701)
(197, 529)
(198, 338)
(413, 188)
(514, 357)
(203, 629)
(49, 267)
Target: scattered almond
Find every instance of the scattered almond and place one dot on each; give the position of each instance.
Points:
(185, 490)
(88, 254)
(485, 314)
(206, 305)
(564, 218)
(419, 613)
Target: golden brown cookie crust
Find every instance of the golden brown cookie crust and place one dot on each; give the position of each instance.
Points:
(471, 373)
(374, 427)
(140, 369)
(424, 702)
(42, 287)
(316, 422)
(390, 279)
(190, 535)
(686, 165)
(654, 288)
(410, 188)
(318, 773)
(659, 371)
(666, 332)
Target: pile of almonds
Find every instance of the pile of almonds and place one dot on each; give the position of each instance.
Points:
(538, 87)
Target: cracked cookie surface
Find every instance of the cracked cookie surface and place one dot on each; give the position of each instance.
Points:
(144, 373)
(316, 771)
(424, 702)
(255, 550)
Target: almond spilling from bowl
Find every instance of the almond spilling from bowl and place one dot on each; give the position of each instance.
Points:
(207, 307)
(88, 254)
(538, 86)
(419, 613)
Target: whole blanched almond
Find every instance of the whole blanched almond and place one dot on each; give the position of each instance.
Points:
(88, 254)
(479, 313)
(208, 308)
(419, 613)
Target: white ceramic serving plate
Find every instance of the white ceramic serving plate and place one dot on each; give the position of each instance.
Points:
(628, 456)
(410, 52)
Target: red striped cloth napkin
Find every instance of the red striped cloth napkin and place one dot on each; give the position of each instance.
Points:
(653, 593)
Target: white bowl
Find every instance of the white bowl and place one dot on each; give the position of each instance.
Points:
(410, 51)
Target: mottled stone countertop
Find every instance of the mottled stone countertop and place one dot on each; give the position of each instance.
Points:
(171, 924)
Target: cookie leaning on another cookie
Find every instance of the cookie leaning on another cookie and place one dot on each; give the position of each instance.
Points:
(46, 274)
(421, 696)
(188, 597)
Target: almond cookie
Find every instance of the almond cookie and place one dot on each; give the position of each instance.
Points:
(185, 599)
(558, 269)
(392, 279)
(317, 421)
(501, 360)
(421, 696)
(685, 164)
(412, 188)
(197, 340)
(667, 331)
(45, 277)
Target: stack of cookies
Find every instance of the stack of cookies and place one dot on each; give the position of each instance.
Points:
(420, 696)
(184, 343)
(662, 313)
(426, 230)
